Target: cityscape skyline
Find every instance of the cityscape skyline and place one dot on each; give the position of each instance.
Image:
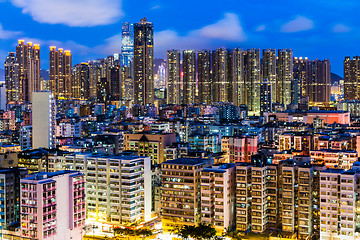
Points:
(309, 34)
(232, 135)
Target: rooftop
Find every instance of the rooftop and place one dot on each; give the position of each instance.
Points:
(47, 175)
(220, 168)
(186, 161)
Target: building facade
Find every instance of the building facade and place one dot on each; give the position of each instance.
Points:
(53, 205)
(143, 63)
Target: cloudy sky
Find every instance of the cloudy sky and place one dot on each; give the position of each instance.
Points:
(92, 28)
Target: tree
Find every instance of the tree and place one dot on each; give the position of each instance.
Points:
(128, 232)
(124, 232)
(144, 232)
(234, 235)
(200, 232)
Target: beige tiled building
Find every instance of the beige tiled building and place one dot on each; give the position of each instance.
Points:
(150, 144)
(218, 196)
(180, 192)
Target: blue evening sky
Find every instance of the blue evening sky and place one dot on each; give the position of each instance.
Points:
(92, 28)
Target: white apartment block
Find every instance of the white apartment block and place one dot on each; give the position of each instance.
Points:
(118, 187)
(43, 120)
(218, 196)
(340, 204)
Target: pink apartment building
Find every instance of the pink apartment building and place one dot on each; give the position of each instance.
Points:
(52, 205)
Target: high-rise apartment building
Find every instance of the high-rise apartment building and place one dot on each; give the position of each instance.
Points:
(127, 84)
(252, 81)
(269, 70)
(28, 57)
(114, 82)
(127, 44)
(180, 192)
(238, 77)
(80, 81)
(204, 76)
(10, 196)
(266, 96)
(118, 188)
(284, 76)
(256, 198)
(53, 205)
(352, 78)
(318, 81)
(60, 72)
(189, 77)
(173, 78)
(339, 200)
(43, 120)
(143, 63)
(13, 86)
(300, 72)
(218, 185)
(97, 71)
(221, 80)
(284, 196)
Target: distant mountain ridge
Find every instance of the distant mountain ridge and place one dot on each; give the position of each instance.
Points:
(335, 78)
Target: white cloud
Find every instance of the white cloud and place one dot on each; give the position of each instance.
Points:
(341, 28)
(226, 29)
(229, 28)
(7, 34)
(74, 47)
(111, 45)
(298, 24)
(260, 28)
(155, 7)
(74, 13)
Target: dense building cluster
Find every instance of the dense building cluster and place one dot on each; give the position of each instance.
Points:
(243, 77)
(247, 143)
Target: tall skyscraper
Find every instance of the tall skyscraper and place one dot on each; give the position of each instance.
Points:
(143, 63)
(96, 72)
(127, 84)
(28, 57)
(173, 81)
(60, 72)
(127, 44)
(284, 76)
(318, 81)
(114, 83)
(80, 81)
(352, 78)
(204, 76)
(43, 120)
(221, 75)
(269, 69)
(265, 96)
(13, 87)
(238, 77)
(189, 77)
(252, 81)
(300, 72)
